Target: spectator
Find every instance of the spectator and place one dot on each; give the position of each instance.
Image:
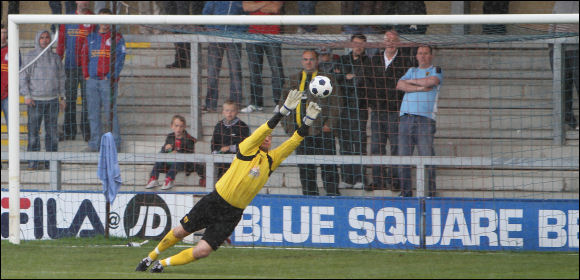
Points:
(99, 5)
(178, 141)
(406, 8)
(322, 140)
(417, 128)
(182, 49)
(4, 57)
(56, 9)
(69, 47)
(384, 101)
(149, 8)
(306, 8)
(328, 62)
(361, 8)
(354, 80)
(227, 134)
(13, 7)
(216, 52)
(42, 84)
(495, 7)
(101, 85)
(569, 59)
(256, 51)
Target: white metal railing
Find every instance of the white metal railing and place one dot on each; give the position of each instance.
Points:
(57, 158)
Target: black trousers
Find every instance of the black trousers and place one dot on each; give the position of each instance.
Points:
(322, 144)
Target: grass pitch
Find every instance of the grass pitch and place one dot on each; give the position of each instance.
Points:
(102, 258)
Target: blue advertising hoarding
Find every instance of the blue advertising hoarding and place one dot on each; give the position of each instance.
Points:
(320, 222)
(397, 223)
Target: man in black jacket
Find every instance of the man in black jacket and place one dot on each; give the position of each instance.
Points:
(385, 101)
(354, 77)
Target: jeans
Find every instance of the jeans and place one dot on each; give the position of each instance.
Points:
(99, 104)
(214, 62)
(74, 77)
(47, 111)
(170, 168)
(56, 9)
(5, 109)
(353, 141)
(385, 126)
(307, 8)
(322, 144)
(570, 76)
(416, 131)
(273, 52)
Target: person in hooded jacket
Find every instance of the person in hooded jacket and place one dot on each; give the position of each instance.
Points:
(42, 85)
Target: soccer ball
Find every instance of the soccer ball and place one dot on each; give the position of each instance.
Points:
(320, 87)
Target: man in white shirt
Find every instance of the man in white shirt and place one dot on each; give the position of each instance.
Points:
(384, 101)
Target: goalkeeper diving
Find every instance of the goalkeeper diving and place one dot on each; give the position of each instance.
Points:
(220, 211)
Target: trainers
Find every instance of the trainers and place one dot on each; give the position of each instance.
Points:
(276, 109)
(168, 184)
(358, 186)
(152, 183)
(251, 108)
(143, 265)
(156, 268)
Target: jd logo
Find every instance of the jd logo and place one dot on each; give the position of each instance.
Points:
(147, 216)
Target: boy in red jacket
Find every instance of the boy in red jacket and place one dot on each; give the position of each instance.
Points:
(179, 141)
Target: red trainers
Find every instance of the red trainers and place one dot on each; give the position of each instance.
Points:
(168, 184)
(152, 183)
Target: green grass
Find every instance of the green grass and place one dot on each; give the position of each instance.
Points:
(98, 258)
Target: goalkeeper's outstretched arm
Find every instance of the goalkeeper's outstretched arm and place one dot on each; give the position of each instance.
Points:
(285, 149)
(251, 144)
(292, 101)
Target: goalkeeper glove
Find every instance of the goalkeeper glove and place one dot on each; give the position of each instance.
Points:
(311, 113)
(291, 102)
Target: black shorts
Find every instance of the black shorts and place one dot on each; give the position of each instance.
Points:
(218, 217)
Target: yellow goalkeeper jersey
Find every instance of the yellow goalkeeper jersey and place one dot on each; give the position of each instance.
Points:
(252, 167)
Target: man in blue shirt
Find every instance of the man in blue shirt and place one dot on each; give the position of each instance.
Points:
(417, 115)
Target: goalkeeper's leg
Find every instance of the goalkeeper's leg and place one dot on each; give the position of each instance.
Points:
(201, 250)
(170, 239)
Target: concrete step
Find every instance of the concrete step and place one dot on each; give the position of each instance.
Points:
(525, 74)
(486, 103)
(491, 59)
(531, 91)
(501, 180)
(148, 87)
